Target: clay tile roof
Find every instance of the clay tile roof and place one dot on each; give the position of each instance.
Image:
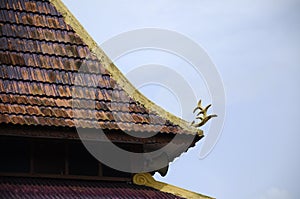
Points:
(41, 52)
(16, 187)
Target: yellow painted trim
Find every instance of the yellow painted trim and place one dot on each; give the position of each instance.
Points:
(146, 179)
(116, 73)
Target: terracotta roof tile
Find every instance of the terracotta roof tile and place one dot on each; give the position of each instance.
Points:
(14, 187)
(40, 56)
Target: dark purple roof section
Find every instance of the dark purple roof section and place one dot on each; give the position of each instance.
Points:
(41, 188)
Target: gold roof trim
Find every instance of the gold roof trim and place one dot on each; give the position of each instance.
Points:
(146, 179)
(71, 20)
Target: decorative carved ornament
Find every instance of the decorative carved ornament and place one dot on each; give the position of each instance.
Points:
(202, 115)
(145, 179)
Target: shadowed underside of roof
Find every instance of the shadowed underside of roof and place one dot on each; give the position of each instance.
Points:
(42, 51)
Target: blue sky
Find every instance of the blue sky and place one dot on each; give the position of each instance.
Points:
(255, 46)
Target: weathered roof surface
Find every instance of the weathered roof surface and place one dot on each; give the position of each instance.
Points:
(15, 187)
(40, 56)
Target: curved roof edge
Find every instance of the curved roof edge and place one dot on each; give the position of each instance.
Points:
(146, 179)
(71, 20)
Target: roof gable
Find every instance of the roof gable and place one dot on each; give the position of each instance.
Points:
(42, 48)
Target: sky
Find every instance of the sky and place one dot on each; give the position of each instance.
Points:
(255, 46)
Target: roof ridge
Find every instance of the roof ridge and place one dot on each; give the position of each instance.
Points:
(71, 20)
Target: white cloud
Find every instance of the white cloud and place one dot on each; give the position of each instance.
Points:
(275, 193)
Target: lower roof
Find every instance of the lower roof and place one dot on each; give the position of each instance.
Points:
(19, 187)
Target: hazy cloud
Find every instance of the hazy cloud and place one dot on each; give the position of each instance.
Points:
(276, 193)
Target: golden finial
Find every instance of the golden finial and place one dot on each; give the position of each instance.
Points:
(202, 115)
